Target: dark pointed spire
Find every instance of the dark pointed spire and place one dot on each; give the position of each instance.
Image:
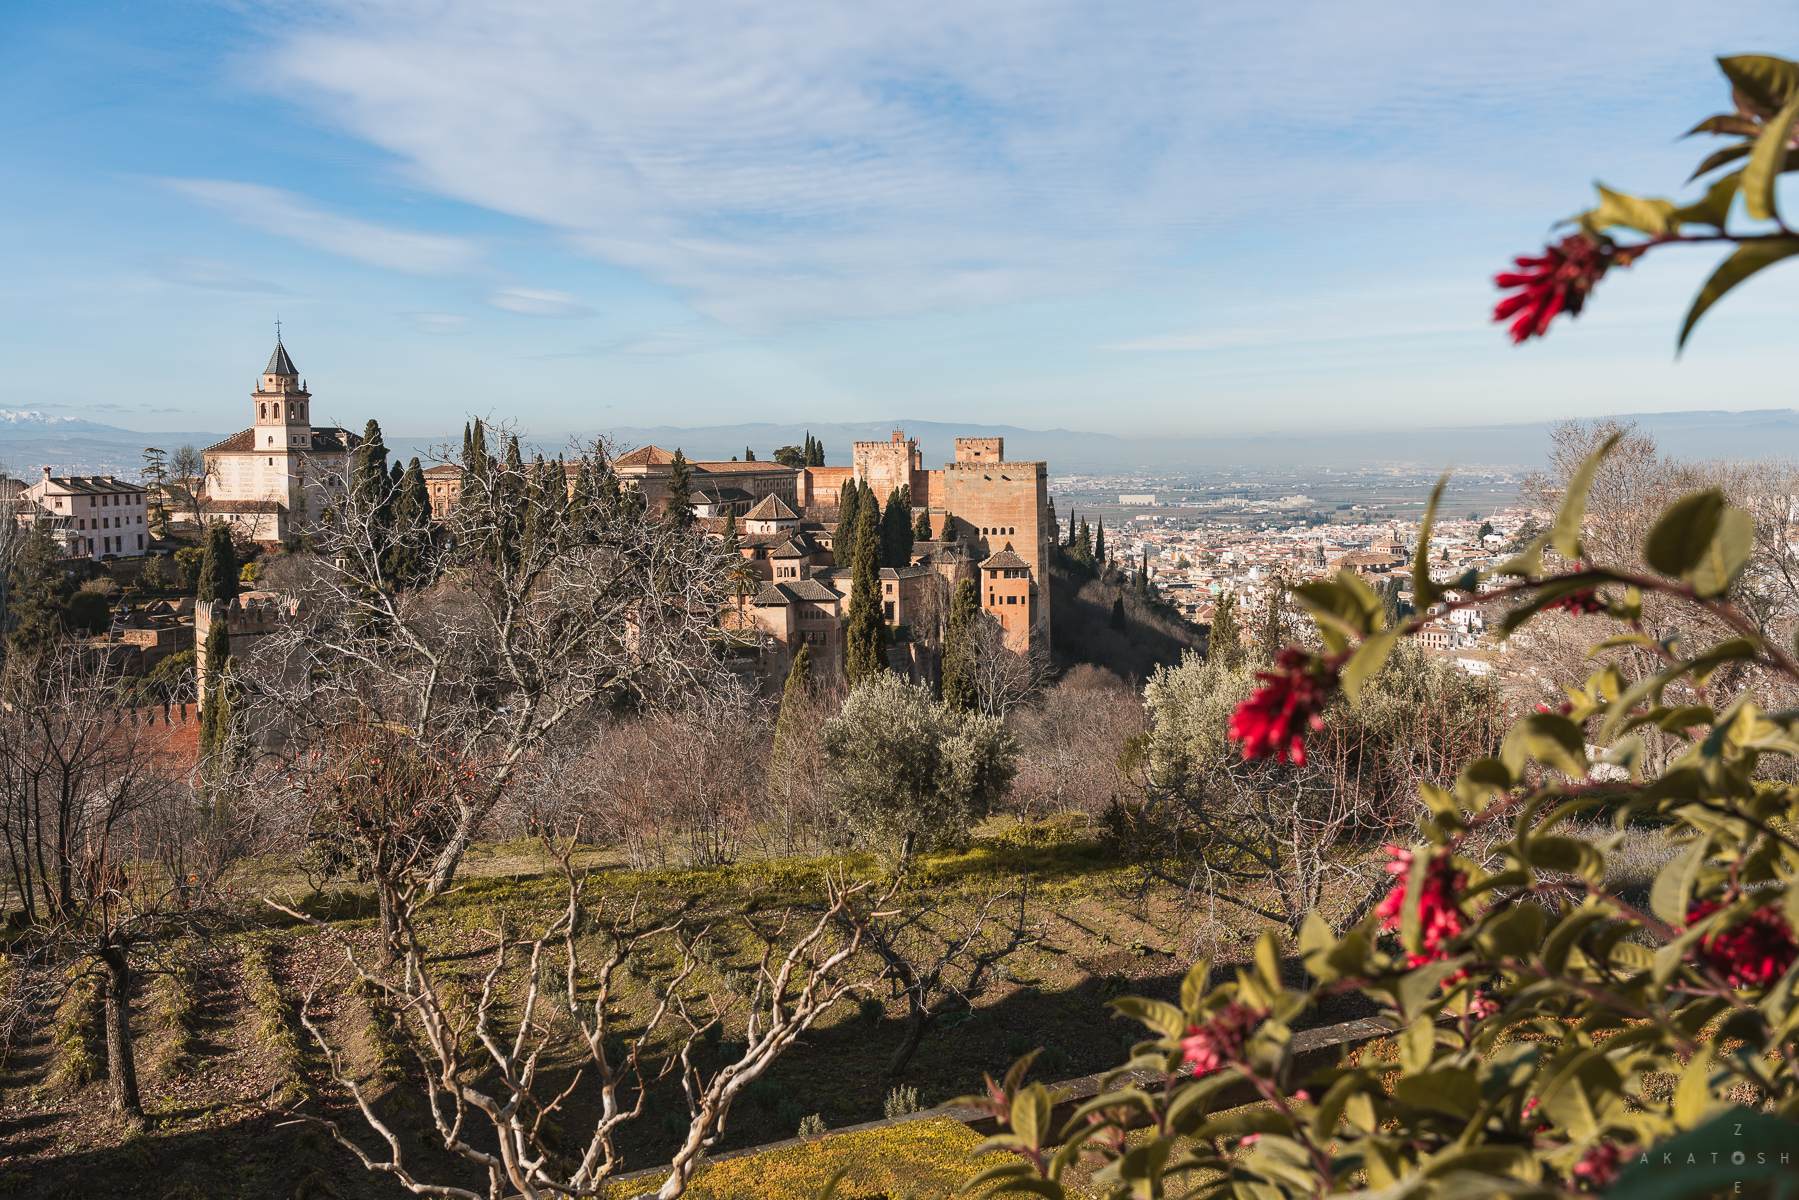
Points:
(279, 362)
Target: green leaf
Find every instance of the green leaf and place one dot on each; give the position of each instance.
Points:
(1030, 1113)
(1694, 1095)
(1417, 987)
(1567, 932)
(1366, 662)
(1315, 935)
(1515, 933)
(1551, 739)
(1749, 258)
(1424, 592)
(1417, 1045)
(1735, 123)
(1159, 1015)
(1714, 209)
(1193, 987)
(1632, 212)
(1345, 607)
(1718, 158)
(1451, 1090)
(1669, 898)
(1565, 535)
(1767, 82)
(1682, 532)
(1582, 1092)
(1481, 779)
(1568, 855)
(1726, 556)
(1268, 960)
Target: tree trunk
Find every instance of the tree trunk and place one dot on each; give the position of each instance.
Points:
(918, 1020)
(121, 1064)
(387, 956)
(905, 856)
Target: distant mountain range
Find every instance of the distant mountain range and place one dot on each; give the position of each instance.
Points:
(29, 440)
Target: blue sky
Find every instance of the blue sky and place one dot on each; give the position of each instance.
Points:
(1132, 218)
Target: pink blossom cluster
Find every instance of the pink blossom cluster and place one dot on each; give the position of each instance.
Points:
(1219, 1042)
(1439, 911)
(1753, 953)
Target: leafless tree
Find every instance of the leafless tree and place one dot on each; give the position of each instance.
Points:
(190, 478)
(938, 954)
(1070, 740)
(483, 1055)
(1005, 678)
(110, 852)
(499, 637)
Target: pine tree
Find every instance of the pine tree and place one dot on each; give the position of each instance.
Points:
(1099, 544)
(1224, 645)
(921, 528)
(958, 647)
(843, 542)
(679, 512)
(1118, 618)
(218, 566)
(865, 632)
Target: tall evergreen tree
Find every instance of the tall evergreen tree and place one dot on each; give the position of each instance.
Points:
(1118, 618)
(958, 647)
(731, 548)
(815, 451)
(1142, 581)
(412, 527)
(896, 529)
(217, 652)
(679, 512)
(1224, 645)
(1070, 542)
(1273, 631)
(218, 566)
(38, 593)
(865, 631)
(843, 541)
(369, 478)
(1083, 546)
(948, 528)
(1099, 544)
(921, 528)
(468, 443)
(749, 455)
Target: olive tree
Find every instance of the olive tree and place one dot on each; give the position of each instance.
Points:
(910, 771)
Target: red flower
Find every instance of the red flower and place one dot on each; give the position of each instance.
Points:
(1598, 1167)
(1752, 953)
(1219, 1043)
(1555, 282)
(1274, 720)
(1439, 913)
(1579, 603)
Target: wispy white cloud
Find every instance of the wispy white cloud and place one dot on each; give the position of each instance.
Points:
(788, 160)
(537, 302)
(288, 215)
(212, 273)
(428, 322)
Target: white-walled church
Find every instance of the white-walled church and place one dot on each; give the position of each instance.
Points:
(275, 478)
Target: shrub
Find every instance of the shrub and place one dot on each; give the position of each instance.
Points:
(813, 1126)
(1017, 1045)
(871, 1010)
(75, 1037)
(1053, 1062)
(901, 1102)
(1532, 1025)
(765, 1093)
(788, 1114)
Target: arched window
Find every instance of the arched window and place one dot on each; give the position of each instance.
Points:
(264, 408)
(277, 412)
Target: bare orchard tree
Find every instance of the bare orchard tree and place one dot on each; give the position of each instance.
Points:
(1069, 743)
(1005, 678)
(496, 637)
(484, 1055)
(111, 857)
(189, 477)
(939, 954)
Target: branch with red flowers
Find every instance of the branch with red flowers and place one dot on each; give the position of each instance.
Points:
(1765, 95)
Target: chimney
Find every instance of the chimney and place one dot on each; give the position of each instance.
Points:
(46, 474)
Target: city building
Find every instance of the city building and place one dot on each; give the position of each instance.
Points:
(281, 474)
(93, 516)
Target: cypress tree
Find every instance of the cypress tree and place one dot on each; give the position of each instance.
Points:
(921, 528)
(749, 455)
(215, 721)
(370, 479)
(903, 528)
(865, 632)
(731, 547)
(39, 592)
(468, 443)
(1071, 527)
(1273, 636)
(815, 451)
(1083, 546)
(958, 647)
(843, 542)
(1118, 619)
(949, 527)
(1224, 645)
(217, 652)
(679, 512)
(1142, 581)
(1099, 544)
(218, 566)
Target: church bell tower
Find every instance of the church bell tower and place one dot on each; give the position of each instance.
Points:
(283, 424)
